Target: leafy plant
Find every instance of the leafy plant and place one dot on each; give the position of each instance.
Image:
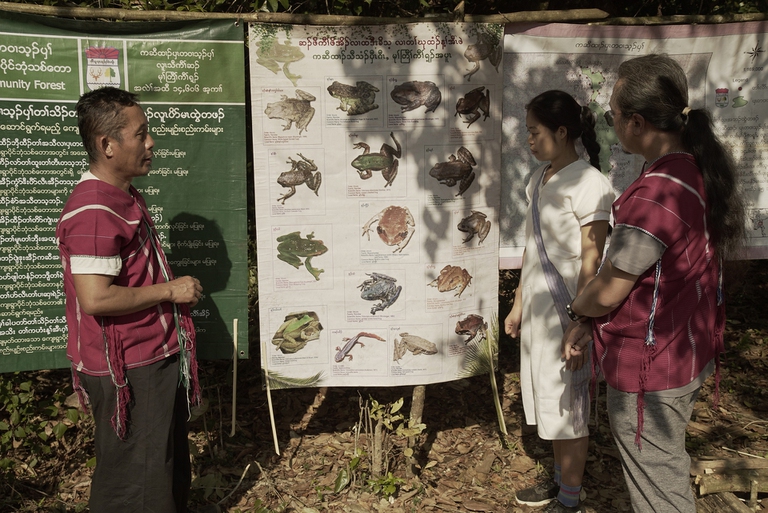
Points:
(386, 486)
(346, 475)
(29, 424)
(381, 427)
(211, 485)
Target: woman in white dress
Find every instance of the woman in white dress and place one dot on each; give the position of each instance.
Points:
(569, 206)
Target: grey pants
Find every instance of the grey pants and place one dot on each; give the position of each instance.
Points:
(658, 474)
(149, 471)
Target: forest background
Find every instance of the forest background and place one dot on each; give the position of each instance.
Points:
(460, 462)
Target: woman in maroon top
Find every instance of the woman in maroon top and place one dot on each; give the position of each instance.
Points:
(655, 309)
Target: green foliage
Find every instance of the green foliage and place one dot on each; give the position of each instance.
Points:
(680, 7)
(424, 8)
(29, 425)
(389, 416)
(211, 486)
(378, 424)
(386, 486)
(346, 475)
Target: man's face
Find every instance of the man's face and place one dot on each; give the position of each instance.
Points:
(132, 154)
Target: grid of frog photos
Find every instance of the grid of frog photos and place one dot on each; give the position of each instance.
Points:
(377, 184)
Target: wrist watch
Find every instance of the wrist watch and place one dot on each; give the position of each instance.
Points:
(571, 314)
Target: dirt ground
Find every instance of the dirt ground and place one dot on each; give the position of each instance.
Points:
(464, 464)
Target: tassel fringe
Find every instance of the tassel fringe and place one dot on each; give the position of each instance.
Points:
(82, 393)
(188, 356)
(581, 381)
(113, 349)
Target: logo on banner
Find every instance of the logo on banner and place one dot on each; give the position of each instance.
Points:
(103, 67)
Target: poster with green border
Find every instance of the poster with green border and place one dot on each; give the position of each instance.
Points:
(191, 84)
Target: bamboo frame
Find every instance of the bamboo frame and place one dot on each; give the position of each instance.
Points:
(575, 15)
(692, 19)
(590, 16)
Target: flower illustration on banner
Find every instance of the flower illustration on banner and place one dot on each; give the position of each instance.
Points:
(103, 67)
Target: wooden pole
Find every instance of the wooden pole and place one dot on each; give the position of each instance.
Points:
(591, 16)
(701, 467)
(298, 19)
(692, 19)
(417, 412)
(738, 481)
(234, 377)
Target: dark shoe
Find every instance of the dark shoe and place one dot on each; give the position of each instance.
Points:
(538, 495)
(557, 507)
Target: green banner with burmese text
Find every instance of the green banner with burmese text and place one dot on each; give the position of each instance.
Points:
(190, 79)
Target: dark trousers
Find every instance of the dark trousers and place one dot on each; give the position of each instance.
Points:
(149, 471)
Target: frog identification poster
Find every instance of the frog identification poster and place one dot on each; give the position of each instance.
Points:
(377, 182)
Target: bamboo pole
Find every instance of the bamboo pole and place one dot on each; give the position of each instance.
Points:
(592, 16)
(234, 378)
(538, 16)
(416, 415)
(299, 19)
(692, 19)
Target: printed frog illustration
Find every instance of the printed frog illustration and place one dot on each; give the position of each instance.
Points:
(291, 246)
(297, 110)
(297, 329)
(343, 352)
(385, 160)
(456, 170)
(396, 226)
(451, 278)
(412, 95)
(474, 327)
(380, 287)
(414, 344)
(473, 103)
(488, 46)
(301, 172)
(354, 100)
(475, 223)
(271, 54)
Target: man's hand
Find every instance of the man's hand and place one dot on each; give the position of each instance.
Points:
(575, 345)
(186, 290)
(515, 317)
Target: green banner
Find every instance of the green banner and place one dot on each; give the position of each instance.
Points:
(190, 78)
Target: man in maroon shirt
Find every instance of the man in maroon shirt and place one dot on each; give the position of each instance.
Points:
(130, 340)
